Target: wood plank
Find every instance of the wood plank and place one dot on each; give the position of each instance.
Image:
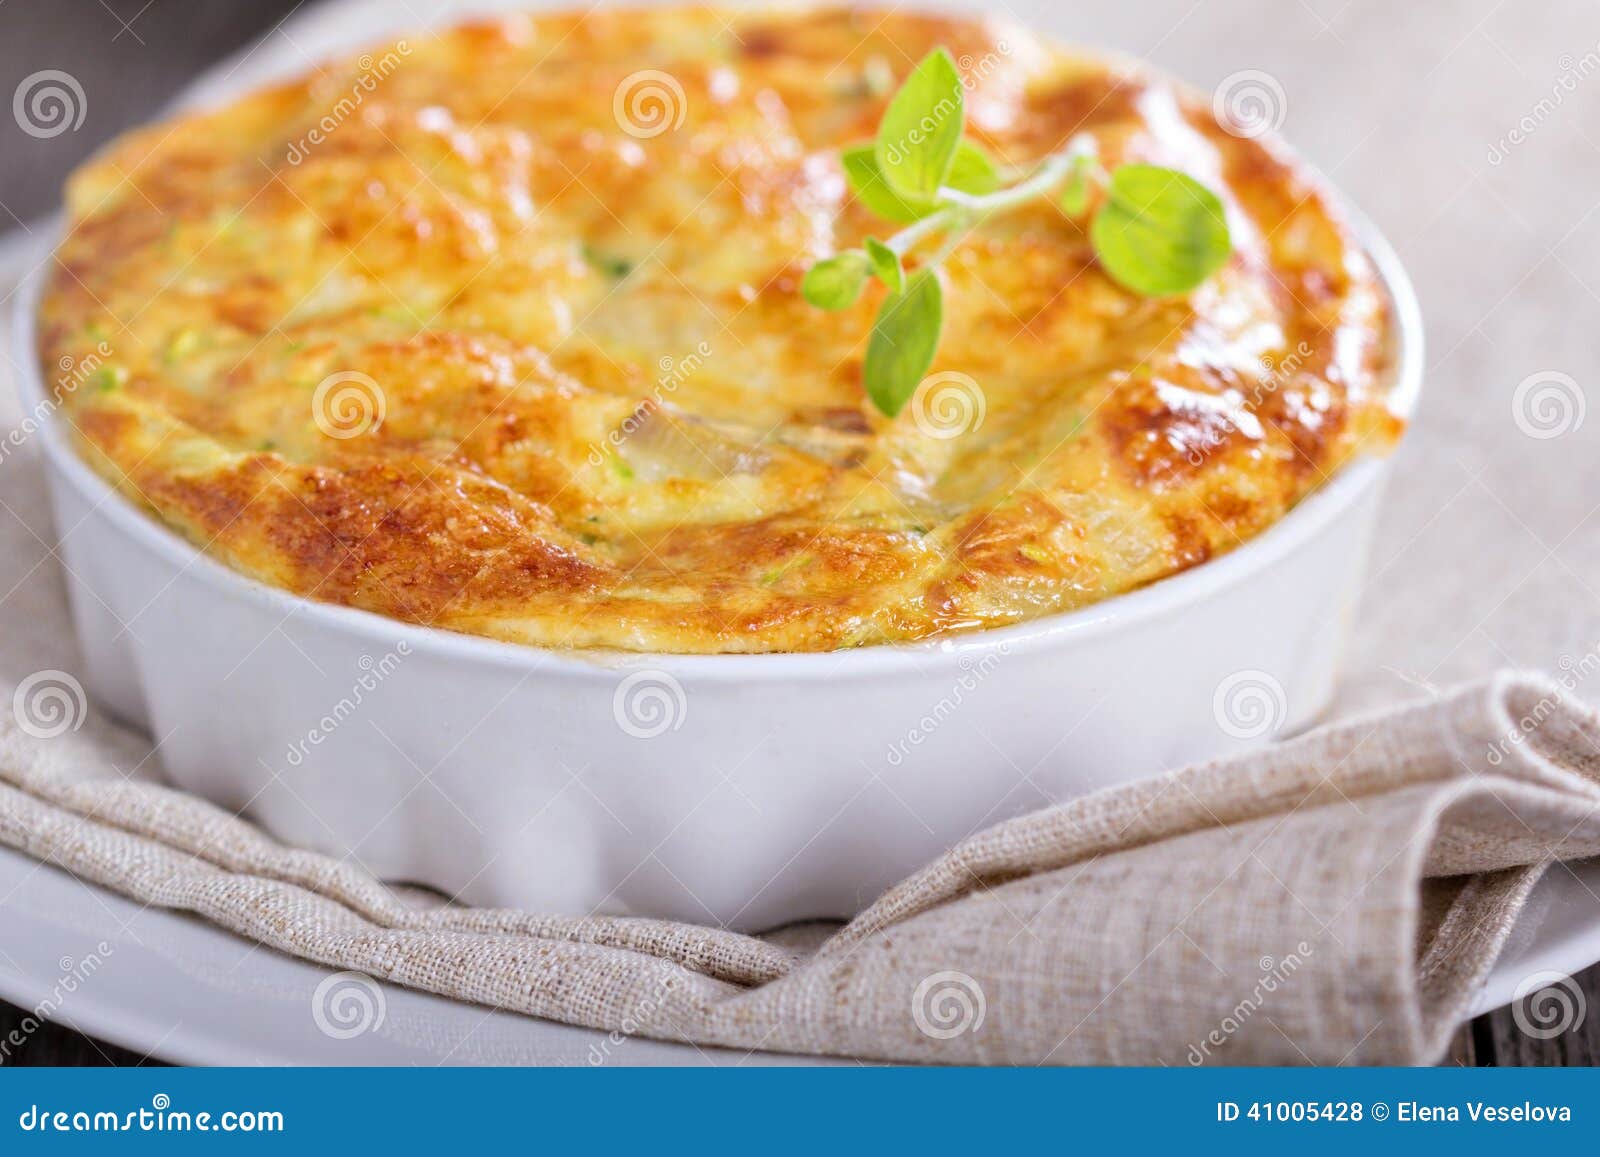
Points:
(43, 1043)
(1556, 1026)
(1463, 1051)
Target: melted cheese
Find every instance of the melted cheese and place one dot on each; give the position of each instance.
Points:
(501, 332)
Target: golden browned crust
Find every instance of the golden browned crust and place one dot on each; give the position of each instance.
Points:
(477, 332)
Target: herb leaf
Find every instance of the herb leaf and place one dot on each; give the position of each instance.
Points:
(1156, 231)
(836, 282)
(972, 171)
(922, 127)
(1160, 232)
(904, 339)
(867, 182)
(886, 265)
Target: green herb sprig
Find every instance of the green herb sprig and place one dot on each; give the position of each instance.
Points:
(1156, 231)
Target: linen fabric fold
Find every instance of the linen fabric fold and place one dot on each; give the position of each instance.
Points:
(1337, 898)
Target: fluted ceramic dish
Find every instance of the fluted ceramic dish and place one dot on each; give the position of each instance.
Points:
(741, 790)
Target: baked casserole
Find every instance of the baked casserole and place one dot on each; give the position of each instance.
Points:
(502, 331)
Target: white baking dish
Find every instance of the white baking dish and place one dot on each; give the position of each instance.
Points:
(746, 791)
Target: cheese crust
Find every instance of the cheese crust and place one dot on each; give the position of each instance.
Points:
(501, 332)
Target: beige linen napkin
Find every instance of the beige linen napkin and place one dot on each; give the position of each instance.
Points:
(1336, 898)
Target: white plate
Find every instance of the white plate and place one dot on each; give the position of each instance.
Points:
(180, 989)
(172, 986)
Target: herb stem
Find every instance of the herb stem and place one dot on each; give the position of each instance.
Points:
(963, 206)
(924, 227)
